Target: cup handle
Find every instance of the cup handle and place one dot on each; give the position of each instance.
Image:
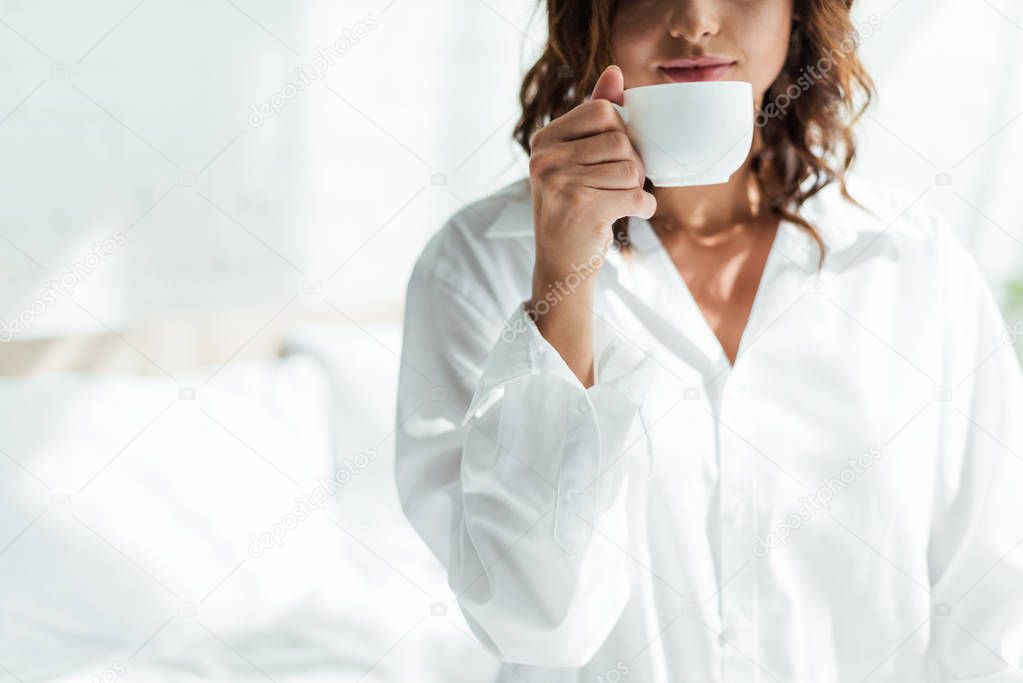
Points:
(621, 112)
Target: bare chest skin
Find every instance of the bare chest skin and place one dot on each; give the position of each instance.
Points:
(723, 277)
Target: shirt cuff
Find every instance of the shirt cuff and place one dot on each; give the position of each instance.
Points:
(591, 472)
(523, 350)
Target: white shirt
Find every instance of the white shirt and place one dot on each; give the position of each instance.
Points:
(844, 504)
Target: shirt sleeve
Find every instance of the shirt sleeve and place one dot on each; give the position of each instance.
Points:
(976, 548)
(506, 464)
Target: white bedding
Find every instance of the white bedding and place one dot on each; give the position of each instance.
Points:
(131, 517)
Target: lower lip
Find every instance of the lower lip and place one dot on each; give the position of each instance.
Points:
(705, 73)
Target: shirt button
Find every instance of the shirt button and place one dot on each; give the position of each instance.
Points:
(583, 406)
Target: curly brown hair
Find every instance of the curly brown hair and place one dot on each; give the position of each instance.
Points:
(814, 123)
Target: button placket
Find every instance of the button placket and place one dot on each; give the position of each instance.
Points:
(737, 596)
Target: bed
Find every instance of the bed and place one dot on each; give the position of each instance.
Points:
(236, 522)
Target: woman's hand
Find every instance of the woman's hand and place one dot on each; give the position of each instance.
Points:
(584, 174)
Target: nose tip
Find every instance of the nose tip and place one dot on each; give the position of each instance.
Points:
(693, 21)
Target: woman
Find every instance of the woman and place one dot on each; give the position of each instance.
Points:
(740, 432)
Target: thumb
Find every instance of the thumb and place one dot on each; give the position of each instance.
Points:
(610, 85)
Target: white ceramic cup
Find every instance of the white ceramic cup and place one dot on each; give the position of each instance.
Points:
(688, 134)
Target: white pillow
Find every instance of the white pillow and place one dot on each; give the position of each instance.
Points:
(129, 505)
(350, 591)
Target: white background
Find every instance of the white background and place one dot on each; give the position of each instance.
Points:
(107, 107)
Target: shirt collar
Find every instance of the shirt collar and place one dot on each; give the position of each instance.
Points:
(515, 218)
(839, 222)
